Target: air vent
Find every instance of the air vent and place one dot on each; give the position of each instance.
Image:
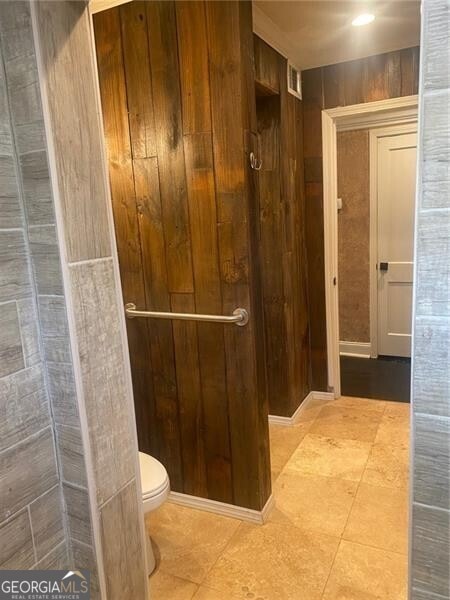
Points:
(294, 81)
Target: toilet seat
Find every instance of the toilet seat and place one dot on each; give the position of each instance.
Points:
(154, 478)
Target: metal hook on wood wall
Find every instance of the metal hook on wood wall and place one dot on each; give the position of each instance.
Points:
(254, 162)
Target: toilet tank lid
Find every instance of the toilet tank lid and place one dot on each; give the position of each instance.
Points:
(153, 474)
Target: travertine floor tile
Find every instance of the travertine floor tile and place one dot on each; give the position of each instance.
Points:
(205, 593)
(365, 404)
(394, 427)
(388, 465)
(273, 561)
(313, 502)
(189, 541)
(363, 573)
(330, 457)
(340, 421)
(167, 587)
(283, 442)
(379, 518)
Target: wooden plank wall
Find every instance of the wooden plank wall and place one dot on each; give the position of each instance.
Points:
(378, 77)
(177, 87)
(282, 223)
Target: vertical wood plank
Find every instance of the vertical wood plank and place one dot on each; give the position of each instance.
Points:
(138, 79)
(208, 297)
(169, 140)
(409, 64)
(227, 84)
(193, 57)
(151, 230)
(189, 398)
(113, 97)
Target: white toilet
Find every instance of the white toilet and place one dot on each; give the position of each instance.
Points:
(155, 490)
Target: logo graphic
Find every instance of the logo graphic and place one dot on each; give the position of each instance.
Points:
(45, 585)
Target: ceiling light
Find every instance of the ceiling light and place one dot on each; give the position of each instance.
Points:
(363, 19)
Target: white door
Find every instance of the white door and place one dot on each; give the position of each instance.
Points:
(396, 188)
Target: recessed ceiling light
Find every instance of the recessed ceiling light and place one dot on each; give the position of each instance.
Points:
(363, 19)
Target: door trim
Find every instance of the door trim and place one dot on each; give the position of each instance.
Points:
(374, 136)
(383, 113)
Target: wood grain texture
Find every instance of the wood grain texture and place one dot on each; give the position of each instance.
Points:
(47, 522)
(377, 77)
(267, 71)
(119, 529)
(69, 79)
(172, 178)
(11, 352)
(430, 567)
(103, 376)
(29, 469)
(17, 551)
(185, 236)
(432, 461)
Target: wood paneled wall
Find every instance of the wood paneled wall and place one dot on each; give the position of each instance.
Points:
(177, 87)
(282, 221)
(378, 77)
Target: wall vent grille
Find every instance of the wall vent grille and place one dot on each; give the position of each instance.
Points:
(294, 81)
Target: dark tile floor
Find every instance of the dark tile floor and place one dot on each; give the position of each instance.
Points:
(382, 378)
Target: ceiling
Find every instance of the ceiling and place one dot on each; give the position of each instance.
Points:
(319, 32)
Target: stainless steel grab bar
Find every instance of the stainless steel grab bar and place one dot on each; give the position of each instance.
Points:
(239, 316)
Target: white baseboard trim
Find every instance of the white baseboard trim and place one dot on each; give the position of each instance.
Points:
(291, 421)
(358, 349)
(224, 509)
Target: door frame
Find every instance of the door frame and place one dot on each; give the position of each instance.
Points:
(374, 136)
(381, 113)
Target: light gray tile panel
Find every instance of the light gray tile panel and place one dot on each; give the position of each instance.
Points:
(5, 123)
(10, 212)
(47, 521)
(24, 406)
(30, 136)
(28, 321)
(26, 471)
(431, 550)
(8, 177)
(57, 559)
(71, 454)
(21, 71)
(37, 188)
(417, 594)
(14, 273)
(26, 104)
(16, 548)
(15, 27)
(103, 375)
(84, 558)
(61, 384)
(435, 144)
(123, 554)
(433, 264)
(78, 513)
(436, 50)
(431, 394)
(11, 354)
(54, 327)
(46, 261)
(432, 461)
(65, 38)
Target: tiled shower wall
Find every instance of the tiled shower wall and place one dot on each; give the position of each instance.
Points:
(32, 524)
(37, 390)
(430, 559)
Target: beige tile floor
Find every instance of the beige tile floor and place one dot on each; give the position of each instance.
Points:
(338, 530)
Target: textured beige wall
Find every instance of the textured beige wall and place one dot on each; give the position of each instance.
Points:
(353, 231)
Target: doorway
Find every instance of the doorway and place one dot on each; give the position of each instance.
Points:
(368, 249)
